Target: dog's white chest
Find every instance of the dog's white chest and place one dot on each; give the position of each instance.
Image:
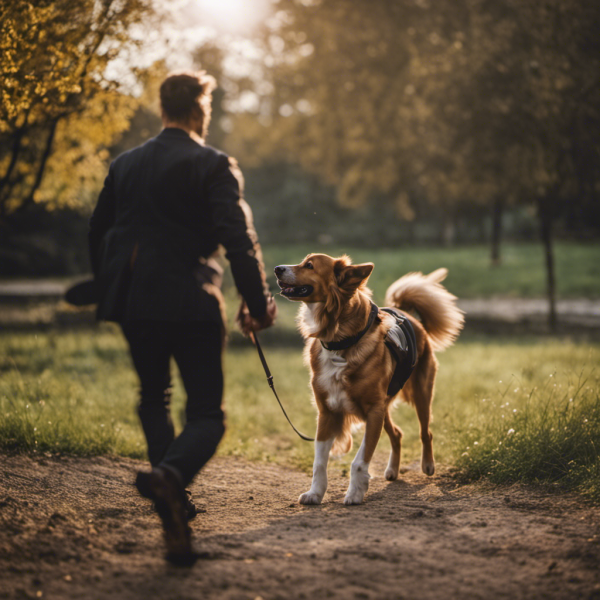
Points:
(331, 379)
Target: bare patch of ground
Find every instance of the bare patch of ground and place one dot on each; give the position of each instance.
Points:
(75, 528)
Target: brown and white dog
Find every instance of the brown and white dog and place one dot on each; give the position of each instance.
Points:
(350, 386)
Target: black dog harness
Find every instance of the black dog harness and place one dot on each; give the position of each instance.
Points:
(350, 341)
(400, 341)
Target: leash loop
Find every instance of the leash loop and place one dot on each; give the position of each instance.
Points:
(272, 385)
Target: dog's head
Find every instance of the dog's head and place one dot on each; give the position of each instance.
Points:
(321, 278)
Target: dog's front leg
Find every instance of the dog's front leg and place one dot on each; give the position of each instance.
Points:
(319, 481)
(359, 472)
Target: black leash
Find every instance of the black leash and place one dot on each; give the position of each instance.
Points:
(272, 385)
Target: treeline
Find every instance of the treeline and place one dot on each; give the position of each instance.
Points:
(363, 123)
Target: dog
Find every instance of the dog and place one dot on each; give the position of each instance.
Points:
(352, 385)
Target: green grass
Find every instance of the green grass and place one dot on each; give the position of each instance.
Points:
(75, 393)
(548, 434)
(67, 393)
(521, 274)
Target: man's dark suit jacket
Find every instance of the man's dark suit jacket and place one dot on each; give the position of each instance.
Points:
(164, 209)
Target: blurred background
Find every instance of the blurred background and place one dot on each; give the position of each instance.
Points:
(416, 134)
(402, 124)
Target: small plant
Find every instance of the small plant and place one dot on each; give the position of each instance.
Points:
(545, 434)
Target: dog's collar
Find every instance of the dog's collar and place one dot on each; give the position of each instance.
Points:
(345, 343)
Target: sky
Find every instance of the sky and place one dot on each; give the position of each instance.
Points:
(191, 22)
(187, 24)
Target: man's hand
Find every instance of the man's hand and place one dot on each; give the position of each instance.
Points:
(247, 323)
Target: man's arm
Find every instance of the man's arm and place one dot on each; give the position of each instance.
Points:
(232, 220)
(102, 220)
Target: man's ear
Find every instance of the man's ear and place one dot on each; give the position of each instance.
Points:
(351, 277)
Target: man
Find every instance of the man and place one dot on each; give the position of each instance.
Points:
(165, 208)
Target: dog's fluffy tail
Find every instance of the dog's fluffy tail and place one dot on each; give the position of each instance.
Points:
(343, 439)
(342, 443)
(436, 306)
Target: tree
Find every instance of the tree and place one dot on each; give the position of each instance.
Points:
(58, 93)
(452, 103)
(539, 104)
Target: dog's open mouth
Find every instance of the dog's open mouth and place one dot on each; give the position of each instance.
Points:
(300, 291)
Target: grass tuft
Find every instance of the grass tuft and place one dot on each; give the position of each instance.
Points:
(548, 434)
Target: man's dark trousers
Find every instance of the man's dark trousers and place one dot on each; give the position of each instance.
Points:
(196, 348)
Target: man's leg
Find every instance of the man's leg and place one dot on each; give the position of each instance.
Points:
(151, 355)
(197, 350)
(150, 346)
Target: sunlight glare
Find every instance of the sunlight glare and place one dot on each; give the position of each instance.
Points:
(235, 16)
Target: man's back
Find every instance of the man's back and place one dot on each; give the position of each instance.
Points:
(167, 205)
(164, 181)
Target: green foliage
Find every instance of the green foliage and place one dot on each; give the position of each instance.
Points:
(77, 166)
(548, 433)
(449, 104)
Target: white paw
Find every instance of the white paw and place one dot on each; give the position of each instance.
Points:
(391, 474)
(428, 467)
(310, 498)
(354, 496)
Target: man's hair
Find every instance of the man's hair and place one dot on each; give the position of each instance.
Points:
(185, 92)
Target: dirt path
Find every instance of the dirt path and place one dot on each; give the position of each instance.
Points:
(75, 528)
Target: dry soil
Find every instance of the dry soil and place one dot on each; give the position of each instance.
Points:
(75, 528)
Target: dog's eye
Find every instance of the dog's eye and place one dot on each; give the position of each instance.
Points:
(308, 265)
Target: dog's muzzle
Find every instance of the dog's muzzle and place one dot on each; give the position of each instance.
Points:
(288, 289)
(300, 291)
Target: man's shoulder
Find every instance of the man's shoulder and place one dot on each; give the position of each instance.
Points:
(212, 158)
(215, 158)
(218, 162)
(214, 151)
(131, 154)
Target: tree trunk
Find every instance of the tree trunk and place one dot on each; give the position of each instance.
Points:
(411, 232)
(545, 214)
(16, 148)
(42, 167)
(448, 231)
(497, 212)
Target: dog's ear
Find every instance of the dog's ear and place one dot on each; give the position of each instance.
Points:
(351, 277)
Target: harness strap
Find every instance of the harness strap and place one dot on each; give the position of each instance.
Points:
(402, 344)
(272, 385)
(345, 343)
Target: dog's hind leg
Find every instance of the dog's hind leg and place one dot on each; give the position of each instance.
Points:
(395, 434)
(359, 472)
(422, 396)
(327, 426)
